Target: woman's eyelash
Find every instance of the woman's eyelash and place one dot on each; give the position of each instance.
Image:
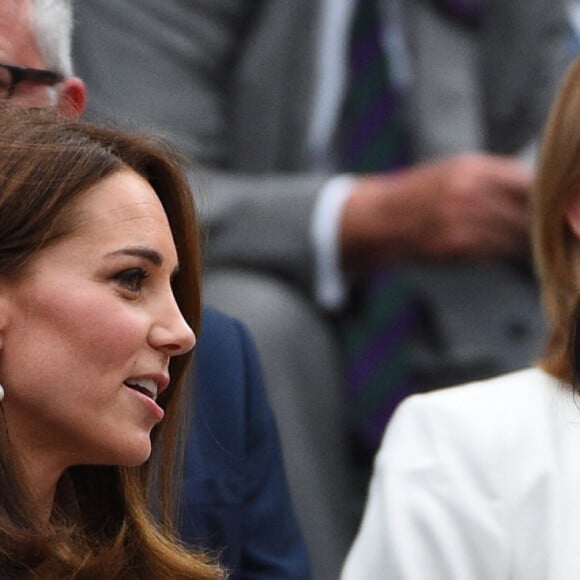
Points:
(131, 279)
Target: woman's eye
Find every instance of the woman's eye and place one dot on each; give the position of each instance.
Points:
(131, 279)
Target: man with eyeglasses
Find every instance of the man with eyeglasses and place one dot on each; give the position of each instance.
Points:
(235, 489)
(29, 78)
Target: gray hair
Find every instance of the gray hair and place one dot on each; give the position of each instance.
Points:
(52, 24)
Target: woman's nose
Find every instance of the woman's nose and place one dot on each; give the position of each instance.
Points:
(171, 333)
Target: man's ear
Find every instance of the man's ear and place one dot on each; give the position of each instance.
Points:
(72, 97)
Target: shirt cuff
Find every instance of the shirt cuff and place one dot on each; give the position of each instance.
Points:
(330, 285)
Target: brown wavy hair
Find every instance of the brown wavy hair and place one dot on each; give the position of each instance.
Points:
(556, 247)
(101, 525)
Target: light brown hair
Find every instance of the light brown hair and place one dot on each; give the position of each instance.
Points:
(101, 525)
(556, 247)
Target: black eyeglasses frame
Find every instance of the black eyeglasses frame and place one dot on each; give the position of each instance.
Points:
(19, 74)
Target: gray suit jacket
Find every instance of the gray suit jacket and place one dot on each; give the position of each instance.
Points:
(231, 82)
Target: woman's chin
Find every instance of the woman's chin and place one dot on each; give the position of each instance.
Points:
(133, 453)
(138, 457)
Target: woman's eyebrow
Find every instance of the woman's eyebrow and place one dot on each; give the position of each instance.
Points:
(149, 254)
(141, 252)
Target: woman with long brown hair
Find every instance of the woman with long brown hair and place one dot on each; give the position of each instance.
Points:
(99, 303)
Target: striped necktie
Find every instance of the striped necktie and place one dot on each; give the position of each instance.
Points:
(377, 336)
(374, 128)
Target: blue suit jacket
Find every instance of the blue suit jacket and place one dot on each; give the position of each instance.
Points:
(235, 495)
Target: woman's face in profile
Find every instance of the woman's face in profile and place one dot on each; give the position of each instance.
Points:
(87, 334)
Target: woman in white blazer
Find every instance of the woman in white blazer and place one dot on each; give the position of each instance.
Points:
(482, 481)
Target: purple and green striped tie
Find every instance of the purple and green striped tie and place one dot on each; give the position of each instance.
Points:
(377, 336)
(373, 131)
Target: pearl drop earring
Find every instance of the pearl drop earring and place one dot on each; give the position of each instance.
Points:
(1, 393)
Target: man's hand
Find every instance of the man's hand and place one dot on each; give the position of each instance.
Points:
(472, 206)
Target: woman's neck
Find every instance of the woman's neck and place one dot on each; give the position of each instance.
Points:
(41, 482)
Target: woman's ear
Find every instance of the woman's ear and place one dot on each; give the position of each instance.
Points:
(4, 321)
(573, 214)
(6, 307)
